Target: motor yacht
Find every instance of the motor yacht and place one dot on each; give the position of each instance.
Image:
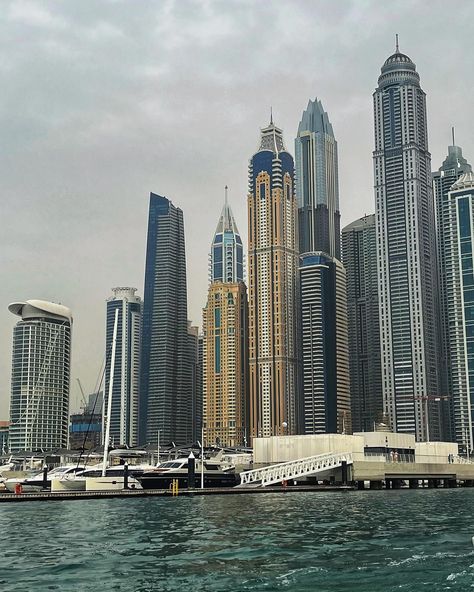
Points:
(36, 482)
(215, 473)
(92, 479)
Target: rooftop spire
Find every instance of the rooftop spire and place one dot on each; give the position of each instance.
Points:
(225, 198)
(271, 115)
(452, 131)
(397, 49)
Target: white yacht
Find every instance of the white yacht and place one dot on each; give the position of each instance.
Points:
(36, 482)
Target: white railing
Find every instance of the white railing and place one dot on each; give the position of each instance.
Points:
(293, 469)
(462, 460)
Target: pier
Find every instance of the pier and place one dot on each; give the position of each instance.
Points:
(164, 493)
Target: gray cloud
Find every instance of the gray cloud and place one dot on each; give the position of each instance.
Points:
(103, 102)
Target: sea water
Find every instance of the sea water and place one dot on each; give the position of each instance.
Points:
(364, 541)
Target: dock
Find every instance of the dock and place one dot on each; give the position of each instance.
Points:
(145, 493)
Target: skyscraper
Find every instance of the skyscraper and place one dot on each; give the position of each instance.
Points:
(458, 291)
(165, 385)
(406, 251)
(124, 412)
(39, 404)
(452, 168)
(225, 349)
(273, 264)
(317, 184)
(359, 253)
(325, 387)
(324, 345)
(196, 382)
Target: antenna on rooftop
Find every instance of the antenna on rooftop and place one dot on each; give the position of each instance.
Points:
(452, 131)
(397, 49)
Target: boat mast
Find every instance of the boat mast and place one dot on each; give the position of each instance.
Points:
(109, 397)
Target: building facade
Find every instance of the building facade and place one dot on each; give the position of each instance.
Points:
(359, 253)
(196, 382)
(4, 431)
(326, 405)
(406, 252)
(166, 381)
(317, 183)
(325, 387)
(272, 277)
(39, 404)
(126, 384)
(458, 257)
(225, 335)
(444, 178)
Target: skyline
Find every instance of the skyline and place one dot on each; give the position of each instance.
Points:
(112, 137)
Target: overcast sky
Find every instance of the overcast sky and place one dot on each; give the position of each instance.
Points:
(102, 102)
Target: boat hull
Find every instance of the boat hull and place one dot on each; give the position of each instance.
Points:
(165, 480)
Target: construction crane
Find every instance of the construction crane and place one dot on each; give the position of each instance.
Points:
(85, 405)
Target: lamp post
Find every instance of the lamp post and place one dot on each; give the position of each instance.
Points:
(202, 457)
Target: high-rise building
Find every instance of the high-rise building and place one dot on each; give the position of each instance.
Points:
(272, 274)
(406, 251)
(39, 405)
(325, 387)
(452, 168)
(196, 382)
(165, 386)
(225, 335)
(458, 258)
(126, 384)
(326, 403)
(317, 184)
(4, 431)
(359, 254)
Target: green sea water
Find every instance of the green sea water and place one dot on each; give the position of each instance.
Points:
(356, 541)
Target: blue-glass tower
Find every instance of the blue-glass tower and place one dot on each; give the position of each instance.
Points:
(166, 370)
(227, 264)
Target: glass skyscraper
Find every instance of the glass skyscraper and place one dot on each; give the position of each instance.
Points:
(166, 370)
(124, 412)
(458, 312)
(406, 252)
(359, 254)
(272, 274)
(317, 183)
(444, 178)
(39, 404)
(325, 404)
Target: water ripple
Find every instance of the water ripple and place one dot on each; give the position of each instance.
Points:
(360, 541)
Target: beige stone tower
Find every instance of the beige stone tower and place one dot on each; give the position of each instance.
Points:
(273, 264)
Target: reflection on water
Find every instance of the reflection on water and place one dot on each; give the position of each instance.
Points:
(355, 541)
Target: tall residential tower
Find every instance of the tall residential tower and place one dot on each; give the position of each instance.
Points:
(444, 178)
(272, 274)
(359, 253)
(166, 370)
(406, 251)
(124, 412)
(325, 386)
(456, 239)
(39, 405)
(225, 349)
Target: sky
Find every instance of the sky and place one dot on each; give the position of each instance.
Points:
(102, 102)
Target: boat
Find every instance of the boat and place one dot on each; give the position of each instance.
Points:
(36, 482)
(216, 474)
(92, 479)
